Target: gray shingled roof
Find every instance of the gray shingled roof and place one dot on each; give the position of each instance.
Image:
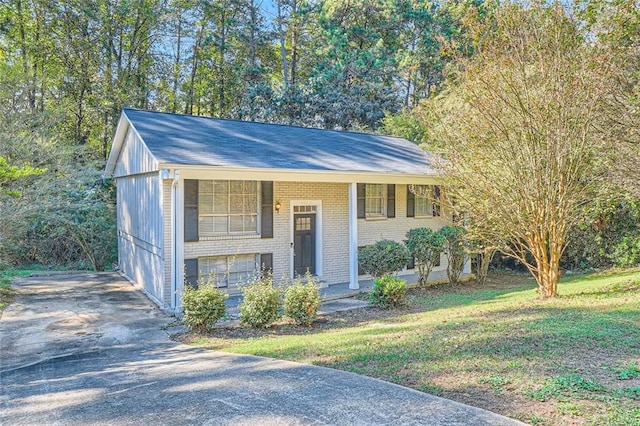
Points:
(185, 139)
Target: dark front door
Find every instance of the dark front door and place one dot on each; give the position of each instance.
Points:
(304, 243)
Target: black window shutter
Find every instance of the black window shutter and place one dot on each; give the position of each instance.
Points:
(362, 193)
(266, 263)
(266, 212)
(190, 210)
(391, 200)
(191, 272)
(412, 263)
(411, 203)
(436, 201)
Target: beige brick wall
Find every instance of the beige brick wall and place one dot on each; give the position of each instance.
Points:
(372, 230)
(335, 232)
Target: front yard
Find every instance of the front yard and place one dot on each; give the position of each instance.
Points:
(574, 360)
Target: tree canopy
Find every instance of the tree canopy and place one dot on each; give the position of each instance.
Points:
(527, 126)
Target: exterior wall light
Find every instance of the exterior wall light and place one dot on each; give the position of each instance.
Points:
(278, 206)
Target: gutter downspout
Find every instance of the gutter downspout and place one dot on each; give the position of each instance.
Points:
(174, 240)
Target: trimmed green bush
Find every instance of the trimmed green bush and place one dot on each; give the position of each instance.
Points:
(388, 292)
(302, 301)
(261, 302)
(426, 246)
(203, 307)
(385, 257)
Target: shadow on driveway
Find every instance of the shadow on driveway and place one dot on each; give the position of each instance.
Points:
(89, 349)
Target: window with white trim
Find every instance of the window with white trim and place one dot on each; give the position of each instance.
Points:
(375, 200)
(228, 271)
(227, 207)
(427, 201)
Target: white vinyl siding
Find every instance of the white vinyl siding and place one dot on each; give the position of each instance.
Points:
(227, 207)
(227, 271)
(141, 231)
(135, 157)
(375, 200)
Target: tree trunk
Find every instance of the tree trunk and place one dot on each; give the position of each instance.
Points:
(176, 65)
(294, 42)
(283, 50)
(485, 256)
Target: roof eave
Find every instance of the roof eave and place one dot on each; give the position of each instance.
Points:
(116, 145)
(293, 175)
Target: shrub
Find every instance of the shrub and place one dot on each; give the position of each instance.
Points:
(261, 301)
(388, 291)
(385, 257)
(203, 306)
(454, 250)
(302, 301)
(426, 246)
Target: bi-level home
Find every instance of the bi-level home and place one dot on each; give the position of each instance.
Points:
(200, 197)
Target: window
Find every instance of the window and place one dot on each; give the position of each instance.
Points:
(228, 271)
(375, 197)
(427, 202)
(227, 207)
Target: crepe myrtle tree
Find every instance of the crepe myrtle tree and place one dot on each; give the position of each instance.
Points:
(520, 128)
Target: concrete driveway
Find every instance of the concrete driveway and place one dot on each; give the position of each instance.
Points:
(90, 349)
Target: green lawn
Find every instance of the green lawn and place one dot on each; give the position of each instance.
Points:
(571, 360)
(6, 294)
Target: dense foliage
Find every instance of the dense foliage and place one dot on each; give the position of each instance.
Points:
(203, 307)
(68, 68)
(261, 302)
(302, 301)
(385, 257)
(388, 292)
(426, 246)
(532, 127)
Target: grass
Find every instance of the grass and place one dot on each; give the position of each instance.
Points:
(6, 276)
(569, 360)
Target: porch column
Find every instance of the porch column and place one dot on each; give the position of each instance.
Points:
(353, 236)
(177, 240)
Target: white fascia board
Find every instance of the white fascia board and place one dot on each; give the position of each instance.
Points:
(289, 175)
(116, 146)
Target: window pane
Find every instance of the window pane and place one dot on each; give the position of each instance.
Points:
(220, 224)
(229, 202)
(220, 203)
(236, 224)
(250, 223)
(214, 269)
(235, 186)
(235, 203)
(374, 199)
(250, 204)
(205, 225)
(205, 197)
(422, 206)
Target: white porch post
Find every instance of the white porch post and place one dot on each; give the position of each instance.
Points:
(177, 240)
(353, 236)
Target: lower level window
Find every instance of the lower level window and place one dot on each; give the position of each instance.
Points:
(228, 271)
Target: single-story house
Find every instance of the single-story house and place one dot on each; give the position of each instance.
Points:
(200, 197)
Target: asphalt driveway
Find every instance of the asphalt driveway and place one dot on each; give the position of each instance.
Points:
(90, 349)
